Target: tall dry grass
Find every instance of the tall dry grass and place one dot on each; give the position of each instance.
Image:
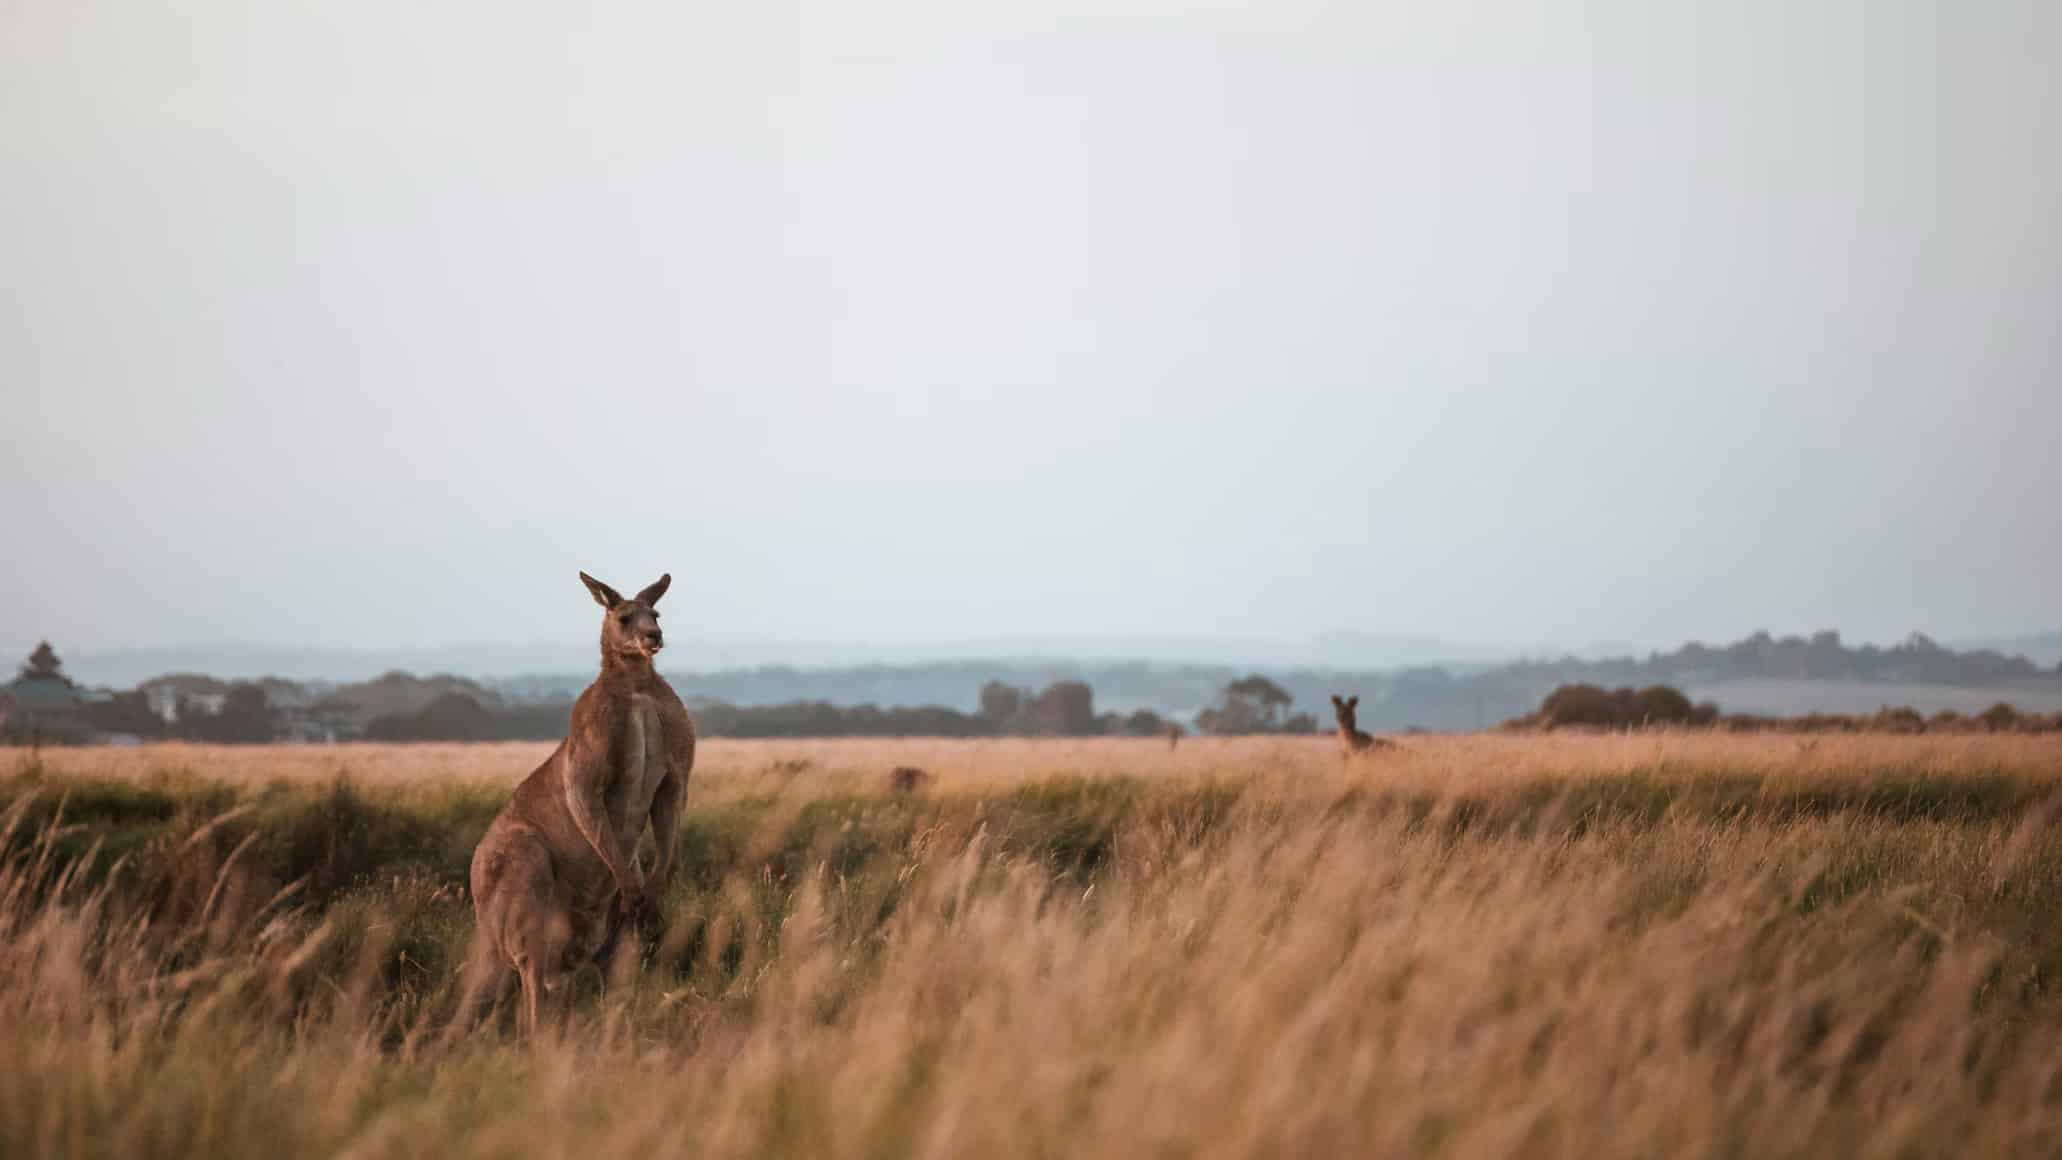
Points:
(1638, 946)
(727, 768)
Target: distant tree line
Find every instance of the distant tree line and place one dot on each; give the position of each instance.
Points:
(1590, 706)
(1918, 659)
(458, 717)
(1249, 705)
(2002, 717)
(245, 714)
(43, 706)
(1062, 709)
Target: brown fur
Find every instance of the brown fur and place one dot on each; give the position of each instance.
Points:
(907, 779)
(556, 875)
(1352, 742)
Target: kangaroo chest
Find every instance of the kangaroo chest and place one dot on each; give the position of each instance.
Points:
(644, 758)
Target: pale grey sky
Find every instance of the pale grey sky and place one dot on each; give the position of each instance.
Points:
(370, 323)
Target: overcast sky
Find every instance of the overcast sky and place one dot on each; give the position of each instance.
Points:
(370, 323)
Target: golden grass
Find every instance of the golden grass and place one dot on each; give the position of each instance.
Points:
(727, 768)
(1467, 950)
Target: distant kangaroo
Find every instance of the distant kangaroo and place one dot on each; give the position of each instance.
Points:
(556, 874)
(1352, 741)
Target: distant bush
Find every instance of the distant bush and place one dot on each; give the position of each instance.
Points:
(1661, 704)
(1590, 705)
(1901, 720)
(1251, 705)
(2000, 718)
(1581, 705)
(1146, 723)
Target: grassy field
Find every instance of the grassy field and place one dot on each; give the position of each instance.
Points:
(1646, 945)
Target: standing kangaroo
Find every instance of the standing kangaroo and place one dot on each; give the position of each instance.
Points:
(556, 874)
(1352, 742)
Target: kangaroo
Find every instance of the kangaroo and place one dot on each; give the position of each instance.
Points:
(556, 875)
(1352, 742)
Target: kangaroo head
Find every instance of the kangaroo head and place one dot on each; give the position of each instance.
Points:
(1343, 708)
(630, 629)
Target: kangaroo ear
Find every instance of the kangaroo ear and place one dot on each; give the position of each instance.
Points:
(656, 589)
(1336, 701)
(1353, 701)
(604, 595)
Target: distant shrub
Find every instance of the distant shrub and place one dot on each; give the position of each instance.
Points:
(1661, 705)
(1901, 720)
(1254, 704)
(1589, 705)
(1145, 723)
(1580, 705)
(2000, 718)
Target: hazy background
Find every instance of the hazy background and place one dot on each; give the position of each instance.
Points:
(896, 326)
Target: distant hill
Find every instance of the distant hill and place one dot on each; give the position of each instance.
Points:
(399, 694)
